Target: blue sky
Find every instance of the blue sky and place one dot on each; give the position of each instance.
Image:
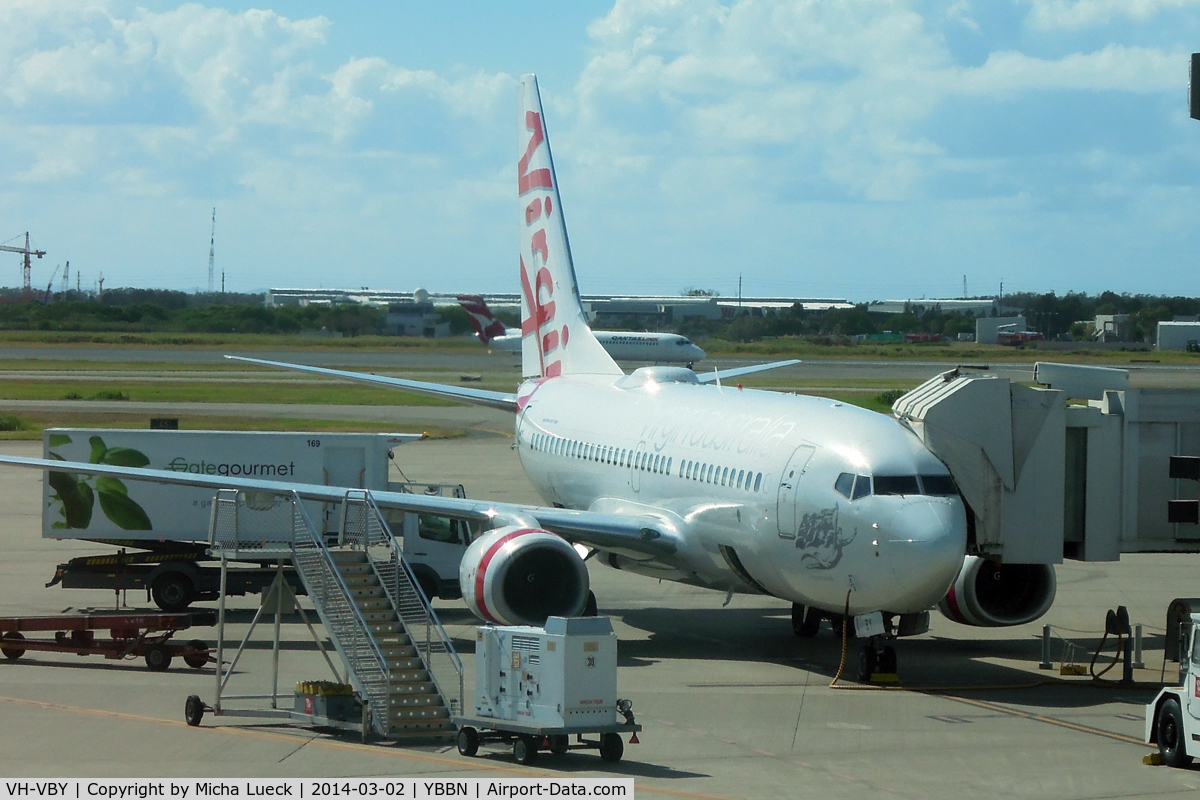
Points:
(859, 149)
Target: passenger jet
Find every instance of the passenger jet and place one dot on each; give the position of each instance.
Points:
(840, 511)
(660, 348)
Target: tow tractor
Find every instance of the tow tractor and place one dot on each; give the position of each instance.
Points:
(1173, 719)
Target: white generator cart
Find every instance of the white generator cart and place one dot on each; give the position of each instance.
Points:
(535, 688)
(1173, 719)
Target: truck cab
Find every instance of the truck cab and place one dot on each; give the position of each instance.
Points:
(1173, 719)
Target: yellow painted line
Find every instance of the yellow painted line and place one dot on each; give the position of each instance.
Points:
(458, 763)
(1062, 723)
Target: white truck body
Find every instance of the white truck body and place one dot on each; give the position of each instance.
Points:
(145, 515)
(1173, 718)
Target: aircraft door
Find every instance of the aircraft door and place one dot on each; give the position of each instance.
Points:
(789, 482)
(635, 477)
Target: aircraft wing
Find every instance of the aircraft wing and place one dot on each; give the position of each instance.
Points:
(646, 534)
(726, 374)
(479, 397)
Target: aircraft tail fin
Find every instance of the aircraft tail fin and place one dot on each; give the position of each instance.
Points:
(556, 338)
(487, 327)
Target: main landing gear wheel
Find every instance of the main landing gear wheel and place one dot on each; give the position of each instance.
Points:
(468, 741)
(806, 622)
(193, 710)
(867, 662)
(525, 750)
(1171, 735)
(611, 747)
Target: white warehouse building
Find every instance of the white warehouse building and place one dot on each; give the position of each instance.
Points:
(1176, 335)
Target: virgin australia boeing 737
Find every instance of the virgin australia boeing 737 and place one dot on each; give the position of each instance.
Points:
(664, 473)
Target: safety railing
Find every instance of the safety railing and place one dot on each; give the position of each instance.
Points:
(363, 526)
(249, 525)
(342, 618)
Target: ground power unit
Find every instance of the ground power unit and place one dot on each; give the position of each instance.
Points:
(561, 676)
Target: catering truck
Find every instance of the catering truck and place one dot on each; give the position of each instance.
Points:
(162, 531)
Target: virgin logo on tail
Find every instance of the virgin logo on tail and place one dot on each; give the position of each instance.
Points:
(537, 284)
(486, 325)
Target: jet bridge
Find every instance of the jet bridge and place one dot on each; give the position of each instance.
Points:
(1076, 468)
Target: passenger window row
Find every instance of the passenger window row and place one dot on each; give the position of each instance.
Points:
(604, 454)
(721, 476)
(731, 477)
(852, 487)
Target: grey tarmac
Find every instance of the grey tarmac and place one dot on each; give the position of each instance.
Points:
(733, 706)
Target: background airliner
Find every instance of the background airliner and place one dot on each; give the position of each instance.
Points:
(683, 477)
(660, 348)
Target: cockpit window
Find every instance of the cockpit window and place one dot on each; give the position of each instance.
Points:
(862, 486)
(896, 484)
(939, 485)
(845, 485)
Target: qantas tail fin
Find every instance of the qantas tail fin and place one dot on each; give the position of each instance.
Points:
(487, 327)
(556, 339)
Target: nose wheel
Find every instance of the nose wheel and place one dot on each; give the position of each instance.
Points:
(877, 662)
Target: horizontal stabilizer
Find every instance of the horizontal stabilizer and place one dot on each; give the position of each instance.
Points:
(479, 397)
(726, 374)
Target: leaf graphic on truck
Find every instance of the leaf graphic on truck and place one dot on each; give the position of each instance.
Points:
(77, 494)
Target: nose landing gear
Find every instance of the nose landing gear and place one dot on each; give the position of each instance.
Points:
(877, 662)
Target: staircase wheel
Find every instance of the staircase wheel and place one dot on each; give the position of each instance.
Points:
(525, 750)
(468, 741)
(193, 710)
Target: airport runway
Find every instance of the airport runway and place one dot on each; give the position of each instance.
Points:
(733, 706)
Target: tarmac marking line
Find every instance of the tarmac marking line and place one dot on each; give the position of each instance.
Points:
(1062, 723)
(357, 748)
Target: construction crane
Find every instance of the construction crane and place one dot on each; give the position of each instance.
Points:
(25, 284)
(50, 285)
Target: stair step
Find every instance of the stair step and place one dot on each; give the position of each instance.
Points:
(414, 700)
(371, 602)
(406, 664)
(415, 687)
(409, 676)
(417, 714)
(397, 653)
(341, 557)
(421, 729)
(378, 628)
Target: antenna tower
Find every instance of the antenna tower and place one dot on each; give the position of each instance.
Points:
(212, 240)
(66, 284)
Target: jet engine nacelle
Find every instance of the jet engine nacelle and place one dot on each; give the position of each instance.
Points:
(520, 576)
(988, 594)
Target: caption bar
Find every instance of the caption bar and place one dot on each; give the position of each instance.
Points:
(407, 788)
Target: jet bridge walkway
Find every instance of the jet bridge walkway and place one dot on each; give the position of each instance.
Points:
(397, 657)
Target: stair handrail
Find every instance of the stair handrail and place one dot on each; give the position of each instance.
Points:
(380, 715)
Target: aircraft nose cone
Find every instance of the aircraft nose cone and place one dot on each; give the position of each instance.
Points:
(926, 540)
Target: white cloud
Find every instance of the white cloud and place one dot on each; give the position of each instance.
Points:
(1073, 14)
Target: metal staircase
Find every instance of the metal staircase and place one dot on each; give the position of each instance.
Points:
(398, 656)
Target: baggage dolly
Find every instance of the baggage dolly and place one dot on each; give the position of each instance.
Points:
(130, 636)
(528, 738)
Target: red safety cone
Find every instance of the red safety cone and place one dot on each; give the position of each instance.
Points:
(633, 739)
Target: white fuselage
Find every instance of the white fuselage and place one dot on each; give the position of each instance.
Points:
(749, 479)
(660, 348)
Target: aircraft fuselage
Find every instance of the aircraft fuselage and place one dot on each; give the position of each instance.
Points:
(759, 486)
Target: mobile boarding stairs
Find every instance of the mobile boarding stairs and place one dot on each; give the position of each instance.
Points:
(406, 678)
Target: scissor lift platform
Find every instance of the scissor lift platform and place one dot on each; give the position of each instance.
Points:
(131, 635)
